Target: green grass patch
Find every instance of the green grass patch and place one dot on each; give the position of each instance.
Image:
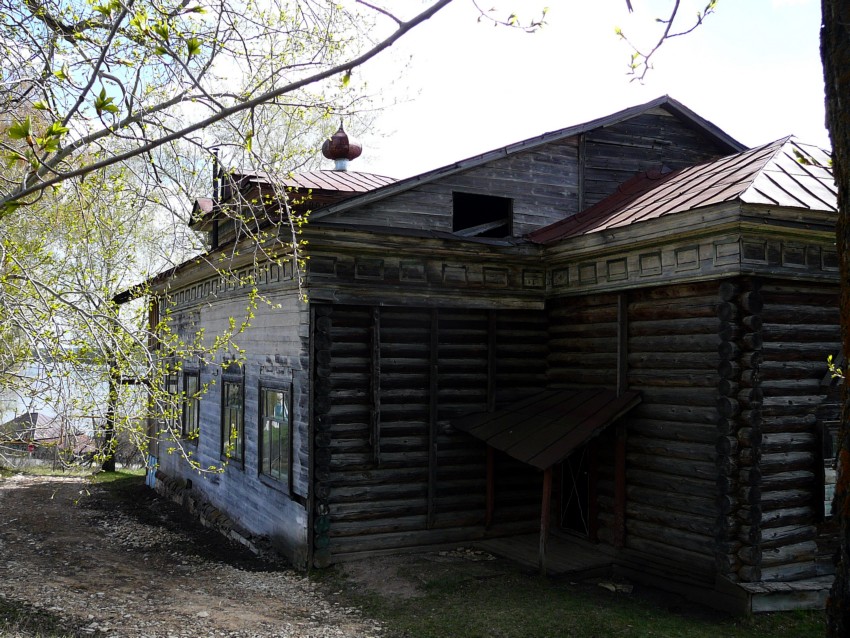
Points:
(518, 604)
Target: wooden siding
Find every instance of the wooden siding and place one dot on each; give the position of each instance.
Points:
(276, 349)
(390, 470)
(542, 182)
(654, 139)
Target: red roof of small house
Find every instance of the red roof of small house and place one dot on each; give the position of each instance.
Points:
(785, 173)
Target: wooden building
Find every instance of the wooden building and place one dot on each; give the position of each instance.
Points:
(619, 328)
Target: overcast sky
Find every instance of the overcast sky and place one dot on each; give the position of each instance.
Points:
(753, 69)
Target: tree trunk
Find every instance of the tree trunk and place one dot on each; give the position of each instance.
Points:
(108, 445)
(835, 54)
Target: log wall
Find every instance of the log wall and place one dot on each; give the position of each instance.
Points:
(390, 471)
(786, 403)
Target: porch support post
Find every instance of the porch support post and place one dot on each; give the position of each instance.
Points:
(491, 486)
(619, 536)
(545, 517)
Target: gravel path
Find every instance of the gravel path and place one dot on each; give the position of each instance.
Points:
(99, 566)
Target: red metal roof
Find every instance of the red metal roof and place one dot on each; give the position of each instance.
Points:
(325, 180)
(543, 429)
(785, 173)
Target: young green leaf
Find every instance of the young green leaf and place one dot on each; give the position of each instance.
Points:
(21, 130)
(194, 47)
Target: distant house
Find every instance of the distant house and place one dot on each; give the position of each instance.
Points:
(619, 328)
(44, 437)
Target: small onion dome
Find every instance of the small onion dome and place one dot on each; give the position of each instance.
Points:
(341, 149)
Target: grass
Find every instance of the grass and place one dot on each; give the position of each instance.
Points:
(518, 604)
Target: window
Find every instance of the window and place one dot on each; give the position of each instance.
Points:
(275, 422)
(191, 405)
(172, 402)
(476, 215)
(232, 414)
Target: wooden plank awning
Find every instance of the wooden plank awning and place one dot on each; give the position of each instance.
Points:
(543, 429)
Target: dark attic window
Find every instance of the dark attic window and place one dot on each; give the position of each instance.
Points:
(476, 215)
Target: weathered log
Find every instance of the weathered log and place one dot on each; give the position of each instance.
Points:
(773, 537)
(749, 574)
(788, 441)
(728, 290)
(785, 554)
(787, 516)
(672, 360)
(673, 466)
(703, 506)
(671, 449)
(728, 331)
(674, 430)
(796, 479)
(726, 426)
(781, 499)
(750, 378)
(680, 326)
(794, 423)
(727, 563)
(750, 555)
(751, 515)
(728, 388)
(790, 572)
(785, 461)
(749, 437)
(748, 397)
(674, 539)
(728, 407)
(728, 350)
(729, 370)
(727, 311)
(750, 475)
(681, 413)
(751, 302)
(669, 519)
(726, 446)
(680, 485)
(752, 322)
(751, 341)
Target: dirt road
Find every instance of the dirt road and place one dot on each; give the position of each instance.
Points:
(74, 562)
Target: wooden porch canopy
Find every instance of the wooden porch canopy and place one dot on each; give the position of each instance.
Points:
(543, 430)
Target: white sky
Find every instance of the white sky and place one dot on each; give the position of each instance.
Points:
(753, 69)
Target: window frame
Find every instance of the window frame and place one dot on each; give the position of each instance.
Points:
(193, 433)
(472, 211)
(173, 415)
(230, 377)
(284, 481)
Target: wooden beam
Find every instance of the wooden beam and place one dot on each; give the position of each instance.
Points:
(545, 517)
(375, 434)
(593, 495)
(622, 343)
(619, 532)
(491, 486)
(432, 425)
(582, 162)
(491, 360)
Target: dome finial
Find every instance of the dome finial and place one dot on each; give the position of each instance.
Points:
(341, 148)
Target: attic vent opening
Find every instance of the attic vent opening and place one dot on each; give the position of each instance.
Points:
(481, 215)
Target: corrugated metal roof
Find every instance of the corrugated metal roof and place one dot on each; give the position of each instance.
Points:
(545, 428)
(785, 173)
(665, 102)
(326, 180)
